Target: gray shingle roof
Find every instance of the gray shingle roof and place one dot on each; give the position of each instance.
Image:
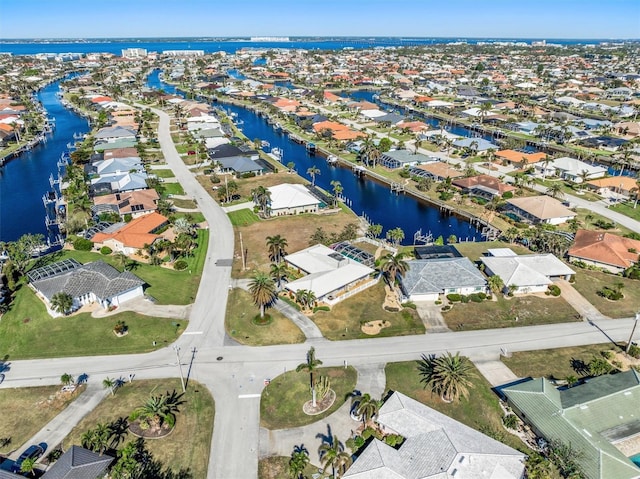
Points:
(435, 445)
(438, 275)
(79, 463)
(98, 278)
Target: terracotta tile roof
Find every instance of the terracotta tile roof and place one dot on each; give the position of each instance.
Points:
(329, 125)
(136, 233)
(130, 201)
(120, 153)
(485, 181)
(347, 135)
(100, 99)
(542, 207)
(605, 248)
(441, 170)
(332, 97)
(628, 183)
(517, 156)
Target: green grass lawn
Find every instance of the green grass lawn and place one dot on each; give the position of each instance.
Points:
(277, 467)
(187, 447)
(344, 319)
(163, 173)
(26, 410)
(282, 400)
(27, 331)
(530, 310)
(552, 363)
(627, 209)
(480, 411)
(588, 283)
(172, 189)
(194, 217)
(474, 250)
(243, 217)
(239, 324)
(188, 204)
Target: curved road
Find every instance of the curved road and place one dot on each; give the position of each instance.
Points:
(237, 379)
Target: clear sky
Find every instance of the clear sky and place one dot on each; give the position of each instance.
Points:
(406, 18)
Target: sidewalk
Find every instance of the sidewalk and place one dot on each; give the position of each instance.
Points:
(60, 426)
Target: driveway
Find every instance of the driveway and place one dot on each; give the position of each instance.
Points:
(431, 317)
(578, 302)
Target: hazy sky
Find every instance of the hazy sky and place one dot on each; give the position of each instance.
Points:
(407, 18)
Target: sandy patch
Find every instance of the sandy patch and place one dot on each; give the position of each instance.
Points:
(374, 327)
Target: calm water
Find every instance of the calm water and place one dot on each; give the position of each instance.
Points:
(25, 179)
(115, 46)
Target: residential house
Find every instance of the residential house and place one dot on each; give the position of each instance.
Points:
(604, 250)
(117, 183)
(96, 282)
(132, 236)
(116, 144)
(331, 276)
(427, 279)
(435, 446)
(111, 134)
(517, 158)
(239, 165)
(483, 186)
(530, 273)
(540, 209)
(570, 169)
(614, 185)
(480, 145)
(134, 203)
(292, 199)
(437, 170)
(597, 418)
(401, 158)
(79, 463)
(132, 164)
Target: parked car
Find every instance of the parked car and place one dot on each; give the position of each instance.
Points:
(32, 452)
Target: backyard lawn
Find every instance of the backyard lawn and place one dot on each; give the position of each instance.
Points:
(187, 447)
(163, 173)
(553, 363)
(588, 283)
(239, 324)
(282, 400)
(27, 331)
(345, 318)
(243, 217)
(505, 313)
(480, 411)
(26, 410)
(172, 189)
(474, 250)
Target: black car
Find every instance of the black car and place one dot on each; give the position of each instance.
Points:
(32, 452)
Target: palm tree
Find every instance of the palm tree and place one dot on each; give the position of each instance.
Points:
(28, 466)
(395, 235)
(278, 272)
(495, 283)
(61, 302)
(310, 366)
(365, 406)
(277, 247)
(545, 163)
(159, 410)
(337, 190)
(263, 291)
(392, 265)
(584, 176)
(110, 384)
(121, 259)
(374, 230)
(262, 198)
(333, 454)
(298, 463)
(484, 110)
(449, 376)
(313, 171)
(555, 190)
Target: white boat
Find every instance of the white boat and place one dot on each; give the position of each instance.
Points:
(276, 153)
(332, 159)
(265, 144)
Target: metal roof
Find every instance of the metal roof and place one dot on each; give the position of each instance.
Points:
(353, 252)
(54, 269)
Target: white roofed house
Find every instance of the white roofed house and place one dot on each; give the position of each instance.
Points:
(531, 273)
(435, 446)
(331, 276)
(540, 209)
(292, 199)
(570, 169)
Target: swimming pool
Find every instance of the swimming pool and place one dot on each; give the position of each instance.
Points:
(635, 459)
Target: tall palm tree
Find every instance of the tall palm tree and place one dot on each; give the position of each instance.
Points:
(278, 272)
(555, 190)
(262, 198)
(61, 302)
(395, 235)
(28, 466)
(334, 456)
(392, 265)
(298, 463)
(495, 283)
(310, 366)
(449, 376)
(365, 406)
(263, 291)
(484, 110)
(313, 171)
(277, 247)
(337, 190)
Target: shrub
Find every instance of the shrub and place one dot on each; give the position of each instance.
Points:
(481, 295)
(248, 174)
(105, 250)
(464, 299)
(120, 327)
(607, 354)
(393, 440)
(507, 194)
(475, 298)
(634, 351)
(454, 297)
(445, 308)
(438, 302)
(610, 293)
(180, 265)
(409, 305)
(321, 308)
(510, 421)
(82, 244)
(553, 290)
(404, 173)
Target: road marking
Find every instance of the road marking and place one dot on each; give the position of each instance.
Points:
(249, 396)
(191, 332)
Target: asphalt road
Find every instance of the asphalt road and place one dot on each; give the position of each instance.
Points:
(235, 374)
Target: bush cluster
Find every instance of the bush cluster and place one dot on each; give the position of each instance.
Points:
(553, 290)
(180, 265)
(82, 244)
(105, 250)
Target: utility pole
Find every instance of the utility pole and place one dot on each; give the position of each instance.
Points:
(177, 350)
(633, 330)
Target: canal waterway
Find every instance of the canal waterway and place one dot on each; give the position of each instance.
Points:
(24, 180)
(363, 195)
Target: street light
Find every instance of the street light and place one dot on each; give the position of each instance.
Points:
(177, 350)
(633, 330)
